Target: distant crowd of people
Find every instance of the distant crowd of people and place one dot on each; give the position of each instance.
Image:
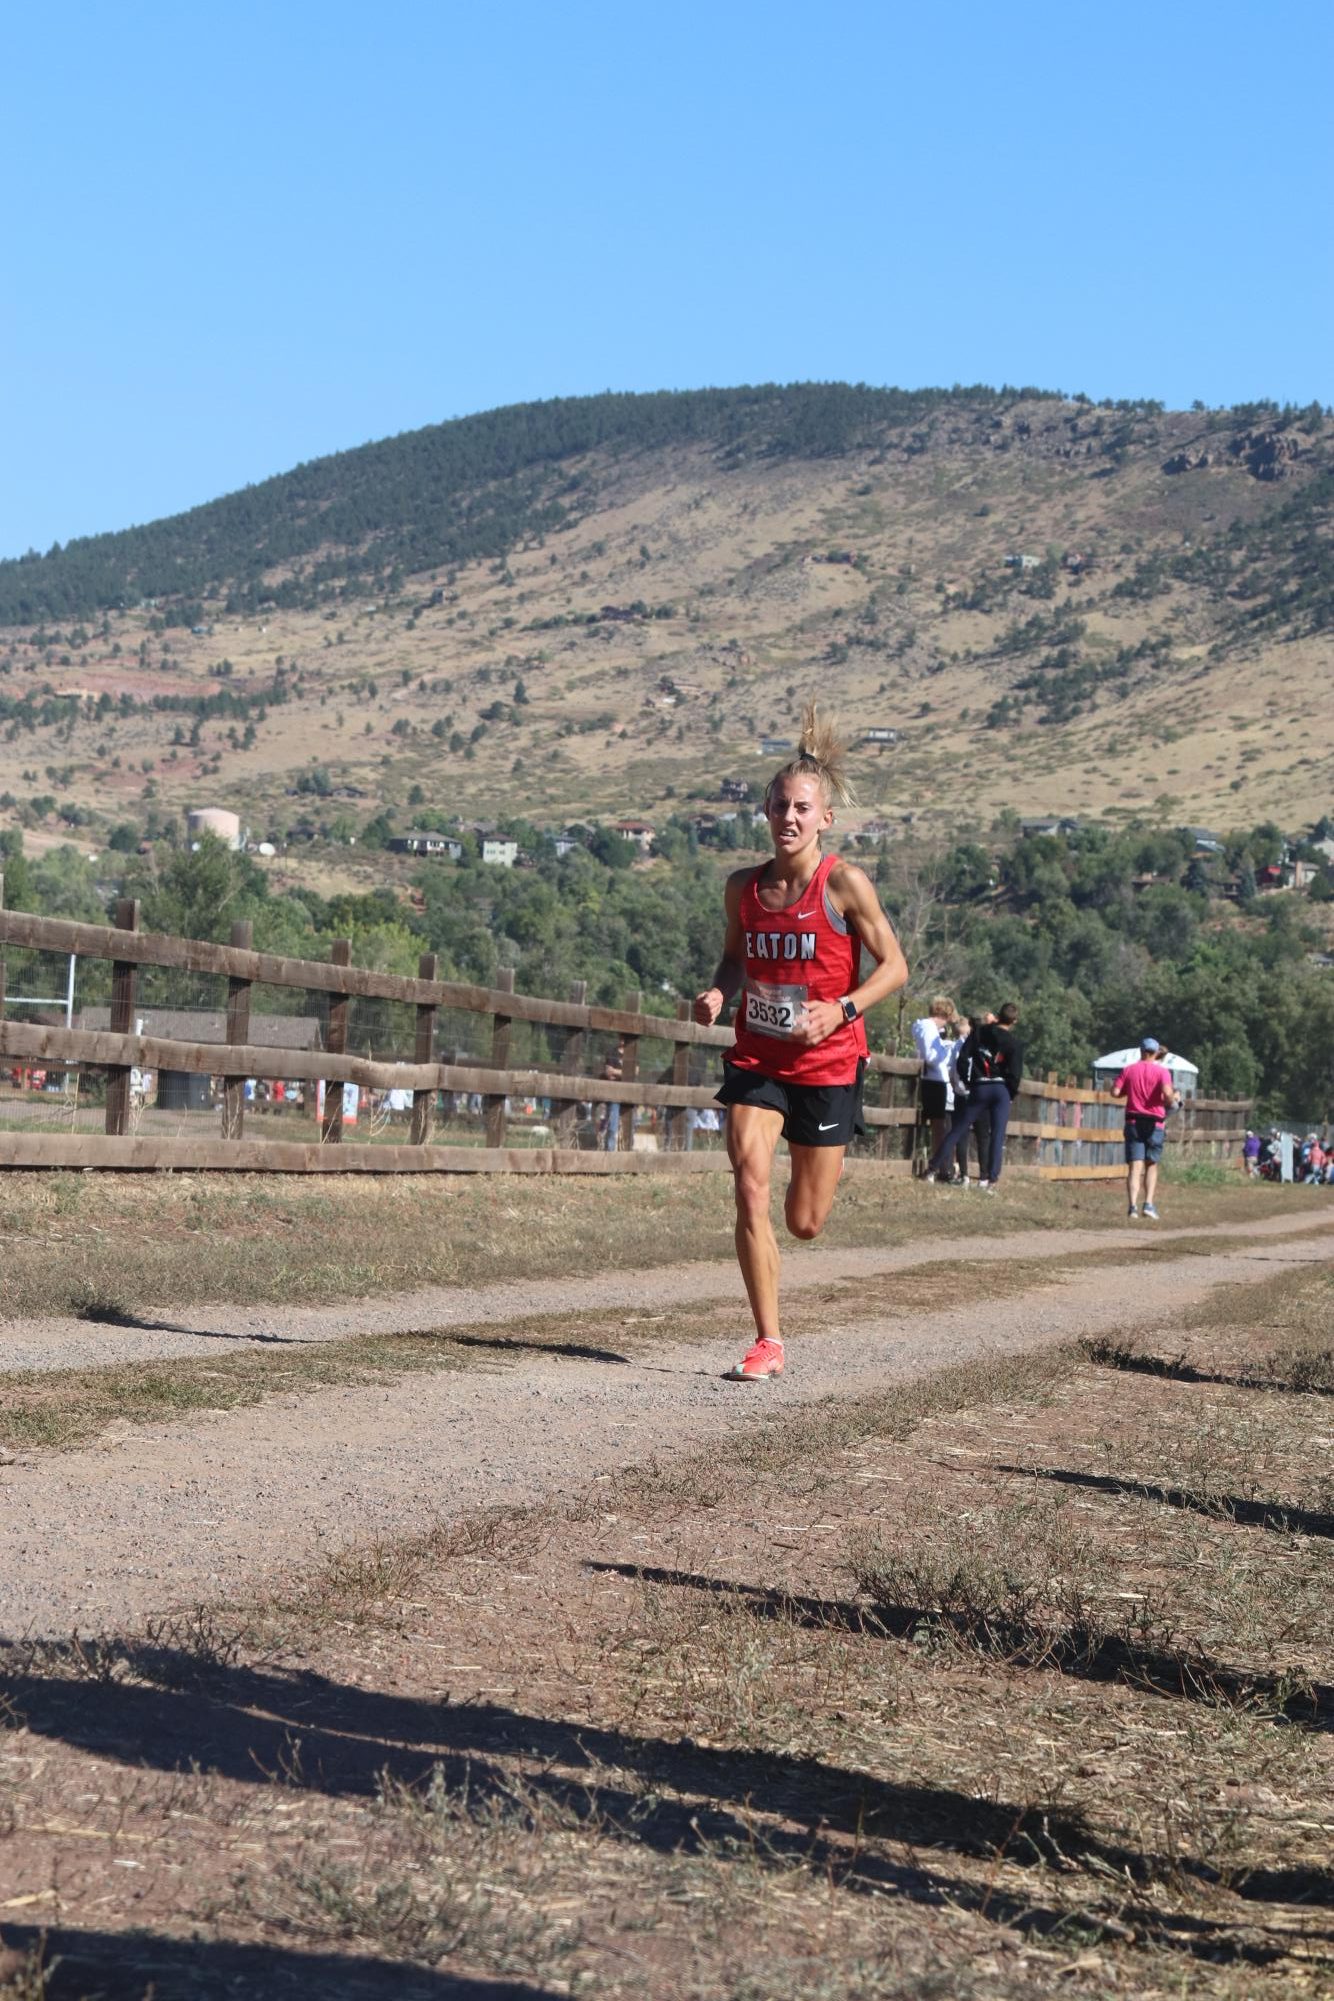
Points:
(1312, 1161)
(971, 1072)
(970, 1077)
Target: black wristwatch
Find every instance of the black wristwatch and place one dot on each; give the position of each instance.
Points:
(849, 1007)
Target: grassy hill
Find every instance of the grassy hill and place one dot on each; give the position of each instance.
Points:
(604, 605)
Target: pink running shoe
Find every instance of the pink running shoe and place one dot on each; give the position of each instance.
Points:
(763, 1360)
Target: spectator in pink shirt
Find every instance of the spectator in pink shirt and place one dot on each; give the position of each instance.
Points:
(1147, 1089)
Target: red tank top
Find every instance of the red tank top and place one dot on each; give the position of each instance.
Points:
(805, 953)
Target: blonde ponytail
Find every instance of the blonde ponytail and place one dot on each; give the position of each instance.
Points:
(820, 755)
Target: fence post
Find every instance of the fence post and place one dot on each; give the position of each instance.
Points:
(331, 1132)
(237, 1031)
(885, 1098)
(493, 1104)
(565, 1113)
(625, 1135)
(679, 1119)
(423, 1051)
(123, 980)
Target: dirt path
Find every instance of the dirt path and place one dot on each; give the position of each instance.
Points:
(68, 1343)
(166, 1516)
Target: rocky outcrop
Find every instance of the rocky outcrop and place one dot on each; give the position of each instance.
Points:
(1266, 454)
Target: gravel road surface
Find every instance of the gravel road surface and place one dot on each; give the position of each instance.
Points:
(152, 1519)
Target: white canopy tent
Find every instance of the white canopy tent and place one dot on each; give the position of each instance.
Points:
(1106, 1070)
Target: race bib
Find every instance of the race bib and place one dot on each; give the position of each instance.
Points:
(774, 1010)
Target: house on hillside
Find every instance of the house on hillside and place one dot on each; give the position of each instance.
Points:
(1049, 823)
(1021, 562)
(775, 746)
(1203, 841)
(421, 842)
(881, 734)
(500, 854)
(640, 832)
(734, 788)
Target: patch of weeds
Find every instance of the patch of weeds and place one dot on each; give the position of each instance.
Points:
(184, 1651)
(812, 1437)
(67, 1192)
(867, 1978)
(28, 1978)
(443, 1873)
(1309, 1371)
(96, 1303)
(1027, 1592)
(359, 1582)
(1202, 1174)
(1294, 1371)
(1026, 1586)
(62, 1408)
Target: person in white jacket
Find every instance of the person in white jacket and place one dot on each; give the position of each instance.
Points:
(934, 1093)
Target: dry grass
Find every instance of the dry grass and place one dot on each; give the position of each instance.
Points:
(1220, 1341)
(63, 1408)
(128, 1242)
(1012, 1682)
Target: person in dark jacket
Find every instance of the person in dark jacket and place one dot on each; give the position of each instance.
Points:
(991, 1067)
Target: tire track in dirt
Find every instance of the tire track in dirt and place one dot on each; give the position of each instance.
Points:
(170, 1515)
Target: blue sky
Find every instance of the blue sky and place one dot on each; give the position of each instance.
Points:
(237, 238)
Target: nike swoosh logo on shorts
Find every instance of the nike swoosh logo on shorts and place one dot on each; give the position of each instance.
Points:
(829, 1128)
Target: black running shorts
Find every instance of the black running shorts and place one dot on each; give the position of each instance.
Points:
(813, 1114)
(931, 1096)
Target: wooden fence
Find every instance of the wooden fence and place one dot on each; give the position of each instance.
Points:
(1057, 1129)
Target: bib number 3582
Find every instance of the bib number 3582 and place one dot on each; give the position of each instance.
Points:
(774, 1010)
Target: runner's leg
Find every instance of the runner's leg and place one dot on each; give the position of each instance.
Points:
(811, 1191)
(753, 1131)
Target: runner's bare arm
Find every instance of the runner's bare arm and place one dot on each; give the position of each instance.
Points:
(853, 895)
(730, 970)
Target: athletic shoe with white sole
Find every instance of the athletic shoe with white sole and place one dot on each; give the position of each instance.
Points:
(1151, 1212)
(1132, 1214)
(765, 1359)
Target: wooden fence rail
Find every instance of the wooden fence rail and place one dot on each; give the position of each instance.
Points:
(1057, 1128)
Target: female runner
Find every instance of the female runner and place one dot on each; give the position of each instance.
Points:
(796, 927)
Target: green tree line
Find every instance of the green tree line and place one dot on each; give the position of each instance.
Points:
(1101, 938)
